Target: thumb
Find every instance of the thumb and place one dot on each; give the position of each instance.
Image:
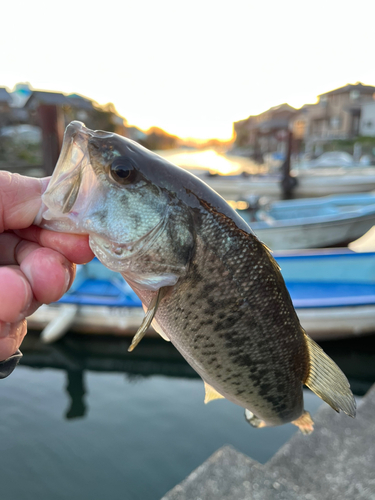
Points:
(20, 200)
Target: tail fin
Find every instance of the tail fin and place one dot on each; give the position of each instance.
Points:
(328, 381)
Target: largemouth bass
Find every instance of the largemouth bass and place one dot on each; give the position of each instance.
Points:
(207, 283)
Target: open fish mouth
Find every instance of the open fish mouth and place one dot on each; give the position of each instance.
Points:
(69, 188)
(66, 180)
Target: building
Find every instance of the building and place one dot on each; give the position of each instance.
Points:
(266, 132)
(341, 114)
(52, 111)
(337, 115)
(367, 119)
(5, 102)
(5, 99)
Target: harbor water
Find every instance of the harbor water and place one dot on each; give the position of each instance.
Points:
(85, 420)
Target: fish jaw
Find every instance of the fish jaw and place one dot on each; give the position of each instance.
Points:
(130, 229)
(65, 200)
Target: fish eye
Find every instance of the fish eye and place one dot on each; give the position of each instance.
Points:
(123, 171)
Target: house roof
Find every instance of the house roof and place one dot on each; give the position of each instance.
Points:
(365, 89)
(58, 99)
(281, 107)
(78, 101)
(4, 95)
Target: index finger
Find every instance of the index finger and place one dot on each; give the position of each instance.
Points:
(20, 200)
(75, 247)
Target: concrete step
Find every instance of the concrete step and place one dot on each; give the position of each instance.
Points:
(230, 475)
(337, 461)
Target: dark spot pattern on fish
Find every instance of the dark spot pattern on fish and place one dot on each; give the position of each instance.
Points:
(211, 360)
(231, 294)
(124, 200)
(101, 215)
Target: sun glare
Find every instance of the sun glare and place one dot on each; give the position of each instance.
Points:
(190, 69)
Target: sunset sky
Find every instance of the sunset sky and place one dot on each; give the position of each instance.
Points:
(193, 67)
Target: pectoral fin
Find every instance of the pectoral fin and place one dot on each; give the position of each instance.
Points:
(211, 393)
(147, 320)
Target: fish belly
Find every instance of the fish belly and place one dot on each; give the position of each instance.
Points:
(234, 327)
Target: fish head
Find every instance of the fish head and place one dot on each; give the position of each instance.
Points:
(112, 189)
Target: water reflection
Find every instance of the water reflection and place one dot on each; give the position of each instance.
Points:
(76, 354)
(75, 388)
(212, 161)
(85, 419)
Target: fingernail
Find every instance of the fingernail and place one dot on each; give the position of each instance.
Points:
(67, 279)
(27, 304)
(26, 285)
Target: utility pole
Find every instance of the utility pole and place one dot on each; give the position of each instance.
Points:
(288, 182)
(51, 120)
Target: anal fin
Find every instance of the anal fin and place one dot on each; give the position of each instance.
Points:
(305, 423)
(211, 393)
(328, 381)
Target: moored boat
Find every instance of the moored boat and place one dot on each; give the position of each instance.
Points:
(312, 222)
(309, 183)
(235, 178)
(333, 291)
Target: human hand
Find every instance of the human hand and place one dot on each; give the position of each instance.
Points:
(36, 265)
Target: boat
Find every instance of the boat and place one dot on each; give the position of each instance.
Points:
(309, 183)
(235, 177)
(333, 291)
(312, 222)
(337, 159)
(99, 301)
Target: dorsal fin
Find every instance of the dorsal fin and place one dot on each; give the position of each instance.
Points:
(211, 393)
(327, 380)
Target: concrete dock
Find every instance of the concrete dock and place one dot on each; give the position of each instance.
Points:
(337, 461)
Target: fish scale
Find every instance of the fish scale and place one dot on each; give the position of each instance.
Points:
(215, 317)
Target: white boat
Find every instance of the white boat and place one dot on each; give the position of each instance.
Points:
(313, 222)
(337, 159)
(310, 183)
(235, 177)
